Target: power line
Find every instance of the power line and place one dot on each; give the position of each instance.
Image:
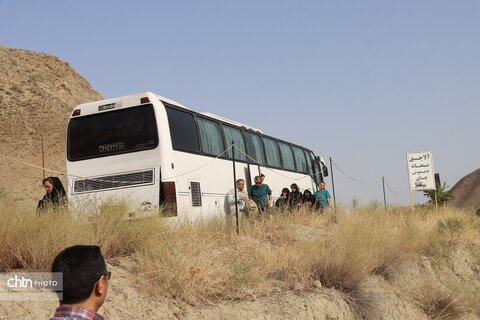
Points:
(355, 179)
(392, 191)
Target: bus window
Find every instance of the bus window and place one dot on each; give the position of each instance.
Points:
(183, 130)
(254, 147)
(309, 162)
(273, 155)
(235, 135)
(287, 156)
(113, 132)
(300, 159)
(210, 137)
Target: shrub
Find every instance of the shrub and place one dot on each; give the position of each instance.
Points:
(443, 194)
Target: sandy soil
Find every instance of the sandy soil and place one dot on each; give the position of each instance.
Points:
(387, 298)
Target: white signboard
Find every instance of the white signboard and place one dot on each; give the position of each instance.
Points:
(421, 174)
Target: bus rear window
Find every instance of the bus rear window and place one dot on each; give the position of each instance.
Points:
(113, 132)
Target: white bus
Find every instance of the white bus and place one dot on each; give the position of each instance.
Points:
(154, 153)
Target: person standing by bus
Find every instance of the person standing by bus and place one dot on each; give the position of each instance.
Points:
(322, 197)
(261, 194)
(55, 195)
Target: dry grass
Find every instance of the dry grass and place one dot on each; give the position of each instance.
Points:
(436, 300)
(31, 241)
(207, 261)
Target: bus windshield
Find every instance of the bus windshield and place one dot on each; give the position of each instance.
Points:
(113, 132)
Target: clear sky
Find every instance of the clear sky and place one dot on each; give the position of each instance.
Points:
(362, 82)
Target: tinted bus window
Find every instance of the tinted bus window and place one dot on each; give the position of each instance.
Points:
(235, 135)
(300, 159)
(287, 156)
(309, 162)
(273, 155)
(210, 137)
(183, 130)
(113, 132)
(254, 147)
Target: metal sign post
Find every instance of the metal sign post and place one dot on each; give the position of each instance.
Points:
(235, 187)
(43, 159)
(333, 187)
(384, 197)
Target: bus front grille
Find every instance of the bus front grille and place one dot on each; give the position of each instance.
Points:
(114, 181)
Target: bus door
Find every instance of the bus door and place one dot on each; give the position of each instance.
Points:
(320, 170)
(317, 175)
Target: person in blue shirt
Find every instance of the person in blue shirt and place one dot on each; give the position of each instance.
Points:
(322, 197)
(261, 194)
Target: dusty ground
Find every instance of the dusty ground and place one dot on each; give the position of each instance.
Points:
(386, 298)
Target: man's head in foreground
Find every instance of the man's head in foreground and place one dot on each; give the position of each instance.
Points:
(85, 276)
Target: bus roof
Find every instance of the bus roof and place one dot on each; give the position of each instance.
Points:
(235, 123)
(170, 101)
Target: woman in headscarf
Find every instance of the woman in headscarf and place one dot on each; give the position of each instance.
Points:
(296, 196)
(282, 201)
(308, 199)
(55, 195)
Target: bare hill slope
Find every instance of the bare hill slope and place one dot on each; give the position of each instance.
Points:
(466, 192)
(37, 93)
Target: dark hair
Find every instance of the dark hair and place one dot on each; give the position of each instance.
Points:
(239, 180)
(81, 266)
(286, 191)
(49, 179)
(54, 199)
(57, 185)
(294, 185)
(306, 190)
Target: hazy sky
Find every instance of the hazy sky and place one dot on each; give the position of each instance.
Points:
(362, 82)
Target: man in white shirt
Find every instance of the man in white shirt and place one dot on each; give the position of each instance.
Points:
(242, 196)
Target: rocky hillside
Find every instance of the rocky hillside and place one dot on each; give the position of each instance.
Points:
(37, 93)
(467, 191)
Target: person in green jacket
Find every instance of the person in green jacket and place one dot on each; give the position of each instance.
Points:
(261, 194)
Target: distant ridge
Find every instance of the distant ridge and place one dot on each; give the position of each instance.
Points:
(37, 93)
(467, 191)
